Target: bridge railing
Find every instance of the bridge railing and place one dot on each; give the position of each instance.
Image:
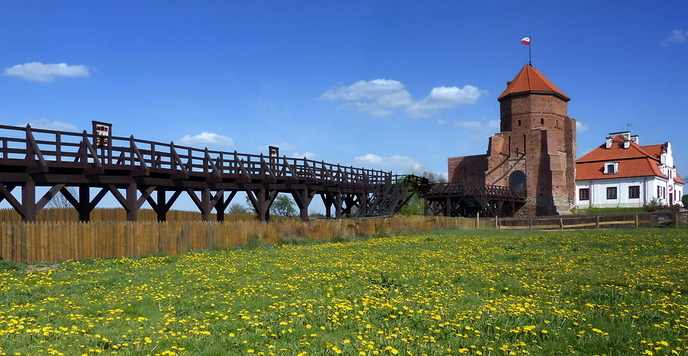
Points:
(445, 189)
(42, 148)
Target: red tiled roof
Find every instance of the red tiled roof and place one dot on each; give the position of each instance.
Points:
(634, 161)
(635, 167)
(530, 80)
(617, 152)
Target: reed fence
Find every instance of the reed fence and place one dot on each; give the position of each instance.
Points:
(34, 242)
(108, 235)
(117, 214)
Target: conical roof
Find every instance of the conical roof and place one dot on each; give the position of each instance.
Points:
(530, 80)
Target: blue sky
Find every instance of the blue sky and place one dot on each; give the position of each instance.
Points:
(394, 85)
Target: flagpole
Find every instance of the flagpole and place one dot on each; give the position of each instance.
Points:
(530, 62)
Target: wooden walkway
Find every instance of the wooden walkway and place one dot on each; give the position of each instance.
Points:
(468, 200)
(137, 171)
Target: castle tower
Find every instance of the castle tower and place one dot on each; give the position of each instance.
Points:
(536, 148)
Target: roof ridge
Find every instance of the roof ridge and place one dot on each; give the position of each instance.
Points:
(530, 80)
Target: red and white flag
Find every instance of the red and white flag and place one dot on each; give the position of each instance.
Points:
(526, 41)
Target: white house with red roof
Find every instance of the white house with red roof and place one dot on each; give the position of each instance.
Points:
(622, 173)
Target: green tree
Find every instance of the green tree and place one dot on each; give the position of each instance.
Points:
(239, 209)
(684, 199)
(416, 205)
(283, 206)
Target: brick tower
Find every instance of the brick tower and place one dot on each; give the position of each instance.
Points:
(535, 148)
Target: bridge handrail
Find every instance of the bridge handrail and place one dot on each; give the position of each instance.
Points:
(17, 144)
(466, 188)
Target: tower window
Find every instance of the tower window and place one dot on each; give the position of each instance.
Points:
(542, 121)
(519, 122)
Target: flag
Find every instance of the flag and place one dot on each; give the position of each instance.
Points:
(526, 41)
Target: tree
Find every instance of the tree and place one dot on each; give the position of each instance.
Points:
(416, 205)
(684, 199)
(59, 201)
(239, 209)
(283, 206)
(413, 207)
(434, 177)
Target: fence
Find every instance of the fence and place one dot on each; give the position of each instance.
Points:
(57, 241)
(594, 221)
(54, 239)
(117, 214)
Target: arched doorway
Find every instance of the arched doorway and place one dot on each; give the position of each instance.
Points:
(517, 180)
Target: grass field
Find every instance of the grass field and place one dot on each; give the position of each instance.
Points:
(449, 292)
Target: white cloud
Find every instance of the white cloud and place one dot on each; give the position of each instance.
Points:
(363, 90)
(206, 139)
(580, 127)
(396, 164)
(677, 36)
(374, 109)
(378, 97)
(50, 125)
(36, 71)
(443, 98)
(308, 155)
(482, 126)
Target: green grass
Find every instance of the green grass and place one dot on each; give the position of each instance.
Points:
(447, 292)
(597, 211)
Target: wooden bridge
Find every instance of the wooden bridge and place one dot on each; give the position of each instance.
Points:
(137, 171)
(468, 200)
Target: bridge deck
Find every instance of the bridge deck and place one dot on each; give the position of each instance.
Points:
(36, 157)
(467, 199)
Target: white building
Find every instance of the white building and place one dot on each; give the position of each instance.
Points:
(621, 173)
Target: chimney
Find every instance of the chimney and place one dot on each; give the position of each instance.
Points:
(635, 139)
(627, 144)
(609, 142)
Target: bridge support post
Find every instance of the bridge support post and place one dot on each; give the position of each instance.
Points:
(332, 198)
(303, 199)
(29, 200)
(132, 205)
(348, 202)
(83, 206)
(161, 205)
(159, 208)
(205, 205)
(262, 200)
(221, 203)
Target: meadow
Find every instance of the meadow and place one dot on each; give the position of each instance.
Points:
(445, 292)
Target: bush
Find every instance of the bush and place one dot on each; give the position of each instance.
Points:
(654, 205)
(6, 266)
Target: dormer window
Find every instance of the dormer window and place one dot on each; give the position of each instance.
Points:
(611, 168)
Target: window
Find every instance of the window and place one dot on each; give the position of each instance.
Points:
(611, 193)
(611, 168)
(661, 192)
(584, 194)
(634, 192)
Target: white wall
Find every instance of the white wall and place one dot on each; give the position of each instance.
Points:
(598, 192)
